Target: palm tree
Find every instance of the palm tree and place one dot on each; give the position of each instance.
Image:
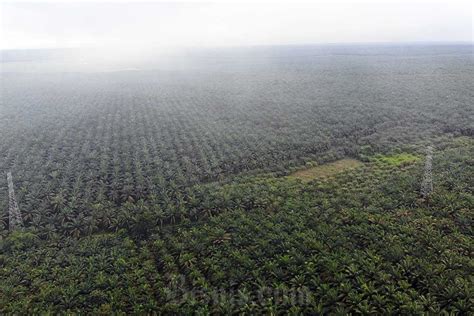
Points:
(49, 231)
(57, 201)
(75, 226)
(90, 225)
(158, 213)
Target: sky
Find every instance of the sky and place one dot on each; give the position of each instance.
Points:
(123, 24)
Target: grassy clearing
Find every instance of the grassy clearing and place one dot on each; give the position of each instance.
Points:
(398, 159)
(325, 170)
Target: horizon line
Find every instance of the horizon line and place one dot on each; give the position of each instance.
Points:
(438, 42)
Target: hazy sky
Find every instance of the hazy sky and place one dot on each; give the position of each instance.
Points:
(126, 23)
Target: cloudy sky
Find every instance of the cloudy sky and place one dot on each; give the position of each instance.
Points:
(167, 24)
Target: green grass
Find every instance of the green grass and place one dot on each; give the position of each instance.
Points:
(326, 170)
(398, 159)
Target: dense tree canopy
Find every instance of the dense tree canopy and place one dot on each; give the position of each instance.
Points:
(154, 191)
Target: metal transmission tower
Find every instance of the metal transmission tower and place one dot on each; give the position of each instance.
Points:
(427, 183)
(15, 219)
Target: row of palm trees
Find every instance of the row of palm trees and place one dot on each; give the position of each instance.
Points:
(111, 141)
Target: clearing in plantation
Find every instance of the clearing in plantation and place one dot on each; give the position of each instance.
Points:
(326, 170)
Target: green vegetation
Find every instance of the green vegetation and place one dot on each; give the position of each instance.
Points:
(100, 273)
(111, 138)
(285, 186)
(401, 159)
(325, 170)
(361, 242)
